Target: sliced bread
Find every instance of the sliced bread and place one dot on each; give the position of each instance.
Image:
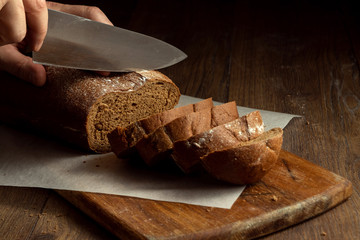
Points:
(246, 162)
(157, 146)
(187, 153)
(124, 138)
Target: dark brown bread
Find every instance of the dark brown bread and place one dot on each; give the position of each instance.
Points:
(247, 162)
(156, 146)
(82, 107)
(187, 153)
(123, 139)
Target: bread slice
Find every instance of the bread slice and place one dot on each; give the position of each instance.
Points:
(123, 139)
(157, 146)
(187, 153)
(247, 162)
(82, 107)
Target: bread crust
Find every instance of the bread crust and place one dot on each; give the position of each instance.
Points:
(247, 162)
(72, 103)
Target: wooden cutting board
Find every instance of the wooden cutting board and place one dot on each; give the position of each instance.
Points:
(293, 191)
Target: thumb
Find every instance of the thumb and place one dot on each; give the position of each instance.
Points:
(21, 66)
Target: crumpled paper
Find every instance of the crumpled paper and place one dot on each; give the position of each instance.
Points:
(27, 160)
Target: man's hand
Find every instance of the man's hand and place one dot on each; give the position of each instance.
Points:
(33, 19)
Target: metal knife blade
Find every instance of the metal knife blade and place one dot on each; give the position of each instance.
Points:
(76, 42)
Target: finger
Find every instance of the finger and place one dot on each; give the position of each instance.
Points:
(12, 21)
(90, 12)
(12, 61)
(37, 21)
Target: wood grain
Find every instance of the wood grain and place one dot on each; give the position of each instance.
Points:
(19, 207)
(294, 190)
(300, 57)
(27, 213)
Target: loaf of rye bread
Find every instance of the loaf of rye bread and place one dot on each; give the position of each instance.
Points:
(82, 107)
(246, 162)
(158, 145)
(123, 139)
(187, 153)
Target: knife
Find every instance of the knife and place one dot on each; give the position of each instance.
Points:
(76, 42)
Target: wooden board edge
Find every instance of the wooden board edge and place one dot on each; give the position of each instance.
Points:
(282, 219)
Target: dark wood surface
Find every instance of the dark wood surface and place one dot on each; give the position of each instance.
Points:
(299, 57)
(293, 191)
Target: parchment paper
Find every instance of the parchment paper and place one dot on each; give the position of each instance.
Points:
(33, 161)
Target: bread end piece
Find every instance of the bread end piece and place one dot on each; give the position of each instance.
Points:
(248, 162)
(187, 153)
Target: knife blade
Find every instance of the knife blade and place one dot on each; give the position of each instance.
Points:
(76, 42)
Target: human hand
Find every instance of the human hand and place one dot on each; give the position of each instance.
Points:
(11, 58)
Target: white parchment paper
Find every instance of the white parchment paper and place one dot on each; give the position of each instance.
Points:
(32, 161)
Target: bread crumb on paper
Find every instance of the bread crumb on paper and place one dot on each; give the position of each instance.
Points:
(209, 209)
(323, 233)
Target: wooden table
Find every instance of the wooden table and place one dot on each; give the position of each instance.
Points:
(295, 57)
